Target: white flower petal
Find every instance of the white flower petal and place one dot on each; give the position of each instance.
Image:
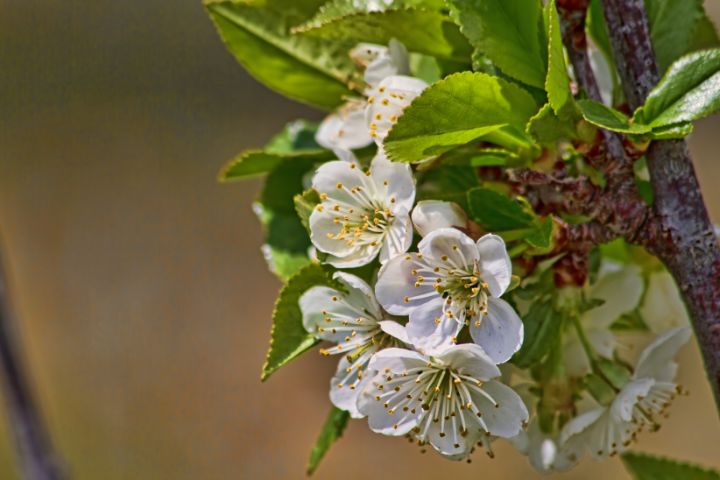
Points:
(331, 177)
(624, 403)
(621, 290)
(345, 129)
(495, 265)
(429, 330)
(345, 397)
(469, 359)
(396, 359)
(397, 181)
(451, 443)
(500, 332)
(321, 226)
(397, 239)
(396, 284)
(656, 360)
(393, 95)
(394, 329)
(429, 215)
(580, 424)
(505, 414)
(662, 307)
(439, 244)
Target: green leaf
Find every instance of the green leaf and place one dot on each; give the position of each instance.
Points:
(688, 91)
(258, 162)
(449, 183)
(547, 128)
(421, 30)
(672, 27)
(332, 431)
(557, 82)
(507, 32)
(647, 467)
(305, 203)
(297, 136)
(542, 234)
(304, 69)
(597, 28)
(542, 330)
(609, 118)
(706, 35)
(496, 212)
(288, 337)
(456, 110)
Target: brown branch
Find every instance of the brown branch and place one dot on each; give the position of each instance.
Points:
(36, 456)
(686, 241)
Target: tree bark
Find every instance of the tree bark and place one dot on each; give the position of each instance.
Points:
(687, 243)
(37, 460)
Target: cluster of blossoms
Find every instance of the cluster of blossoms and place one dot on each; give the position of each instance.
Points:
(408, 363)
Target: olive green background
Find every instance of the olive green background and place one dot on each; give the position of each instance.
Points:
(144, 299)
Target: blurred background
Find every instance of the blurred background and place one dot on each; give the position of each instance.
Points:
(145, 301)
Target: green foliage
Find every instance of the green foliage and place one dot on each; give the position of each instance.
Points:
(547, 128)
(305, 203)
(647, 467)
(456, 110)
(688, 91)
(513, 219)
(305, 69)
(508, 33)
(420, 30)
(449, 183)
(609, 118)
(288, 337)
(331, 431)
(706, 35)
(557, 81)
(672, 28)
(543, 325)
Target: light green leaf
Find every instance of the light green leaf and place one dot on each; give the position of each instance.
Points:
(305, 203)
(305, 69)
(597, 28)
(497, 212)
(646, 467)
(288, 337)
(507, 32)
(557, 82)
(542, 330)
(609, 118)
(690, 90)
(455, 111)
(670, 132)
(542, 234)
(546, 128)
(332, 431)
(424, 31)
(257, 162)
(672, 27)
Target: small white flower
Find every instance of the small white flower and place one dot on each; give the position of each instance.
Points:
(544, 451)
(362, 213)
(609, 430)
(620, 287)
(352, 320)
(344, 130)
(393, 95)
(452, 282)
(662, 307)
(380, 62)
(429, 215)
(449, 401)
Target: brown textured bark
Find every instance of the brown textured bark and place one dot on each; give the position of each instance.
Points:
(37, 460)
(686, 242)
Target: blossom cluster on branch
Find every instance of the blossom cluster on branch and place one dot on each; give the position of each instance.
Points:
(471, 231)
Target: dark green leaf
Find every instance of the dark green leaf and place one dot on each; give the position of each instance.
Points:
(420, 30)
(449, 183)
(672, 27)
(688, 91)
(297, 137)
(705, 36)
(542, 234)
(507, 32)
(646, 467)
(496, 212)
(288, 337)
(305, 69)
(456, 110)
(609, 118)
(542, 330)
(332, 430)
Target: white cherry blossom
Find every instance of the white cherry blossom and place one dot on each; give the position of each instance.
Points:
(620, 287)
(452, 282)
(608, 430)
(354, 322)
(662, 306)
(429, 215)
(393, 95)
(449, 400)
(362, 214)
